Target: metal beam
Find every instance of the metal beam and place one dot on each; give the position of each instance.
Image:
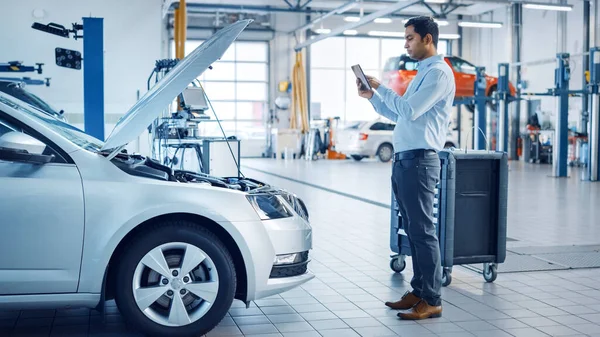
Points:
(93, 77)
(516, 29)
(586, 66)
(288, 3)
(430, 9)
(400, 5)
(339, 10)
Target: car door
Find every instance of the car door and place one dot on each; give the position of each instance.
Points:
(41, 221)
(464, 75)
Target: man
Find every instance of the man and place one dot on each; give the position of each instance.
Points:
(422, 118)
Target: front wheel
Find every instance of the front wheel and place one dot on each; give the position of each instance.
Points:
(177, 279)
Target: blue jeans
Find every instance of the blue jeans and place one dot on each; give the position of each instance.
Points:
(413, 183)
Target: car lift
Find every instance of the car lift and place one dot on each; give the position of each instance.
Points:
(480, 101)
(16, 66)
(562, 75)
(593, 91)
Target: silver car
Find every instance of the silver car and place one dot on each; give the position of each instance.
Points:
(83, 222)
(372, 139)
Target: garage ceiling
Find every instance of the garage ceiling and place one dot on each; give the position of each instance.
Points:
(471, 7)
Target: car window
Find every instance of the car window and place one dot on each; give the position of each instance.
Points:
(400, 63)
(379, 126)
(462, 66)
(6, 127)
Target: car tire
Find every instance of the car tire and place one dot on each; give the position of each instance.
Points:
(181, 244)
(357, 157)
(385, 152)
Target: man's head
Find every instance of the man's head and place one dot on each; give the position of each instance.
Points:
(421, 36)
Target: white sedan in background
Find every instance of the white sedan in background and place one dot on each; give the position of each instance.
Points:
(373, 139)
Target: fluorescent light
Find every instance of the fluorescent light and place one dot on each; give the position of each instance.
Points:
(449, 36)
(385, 33)
(475, 24)
(548, 7)
(350, 32)
(323, 31)
(437, 1)
(352, 19)
(383, 20)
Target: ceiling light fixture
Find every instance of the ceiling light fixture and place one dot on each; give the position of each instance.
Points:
(352, 19)
(547, 6)
(323, 31)
(385, 33)
(478, 24)
(383, 20)
(449, 36)
(351, 32)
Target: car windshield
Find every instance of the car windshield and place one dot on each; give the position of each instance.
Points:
(71, 133)
(16, 90)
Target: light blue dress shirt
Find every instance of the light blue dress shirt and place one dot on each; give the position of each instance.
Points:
(422, 114)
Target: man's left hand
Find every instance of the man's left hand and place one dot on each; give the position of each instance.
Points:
(373, 82)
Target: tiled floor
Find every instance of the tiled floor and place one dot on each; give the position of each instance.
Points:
(351, 261)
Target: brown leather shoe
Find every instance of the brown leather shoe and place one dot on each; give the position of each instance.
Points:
(422, 311)
(407, 301)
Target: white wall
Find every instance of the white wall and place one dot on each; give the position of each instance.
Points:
(488, 47)
(133, 35)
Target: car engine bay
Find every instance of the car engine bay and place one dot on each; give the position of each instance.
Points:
(141, 166)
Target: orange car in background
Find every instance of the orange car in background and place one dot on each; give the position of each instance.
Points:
(400, 70)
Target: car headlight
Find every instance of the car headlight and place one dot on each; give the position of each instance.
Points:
(297, 204)
(269, 206)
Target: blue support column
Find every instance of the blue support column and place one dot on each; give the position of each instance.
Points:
(93, 77)
(480, 116)
(594, 125)
(502, 107)
(561, 145)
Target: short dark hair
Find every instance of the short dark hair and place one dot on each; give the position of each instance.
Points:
(424, 25)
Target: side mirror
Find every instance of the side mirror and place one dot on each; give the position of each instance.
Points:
(19, 147)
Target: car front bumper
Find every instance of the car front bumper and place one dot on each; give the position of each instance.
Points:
(265, 241)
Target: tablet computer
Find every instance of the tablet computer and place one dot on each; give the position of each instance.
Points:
(361, 76)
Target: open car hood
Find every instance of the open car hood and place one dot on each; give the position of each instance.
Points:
(153, 103)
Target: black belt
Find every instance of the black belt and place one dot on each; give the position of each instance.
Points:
(411, 154)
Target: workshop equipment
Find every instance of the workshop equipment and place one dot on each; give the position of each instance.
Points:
(470, 213)
(299, 96)
(18, 67)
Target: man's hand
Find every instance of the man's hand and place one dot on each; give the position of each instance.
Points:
(363, 93)
(373, 82)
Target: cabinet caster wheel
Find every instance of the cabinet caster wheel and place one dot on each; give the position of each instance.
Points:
(446, 278)
(490, 272)
(397, 265)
